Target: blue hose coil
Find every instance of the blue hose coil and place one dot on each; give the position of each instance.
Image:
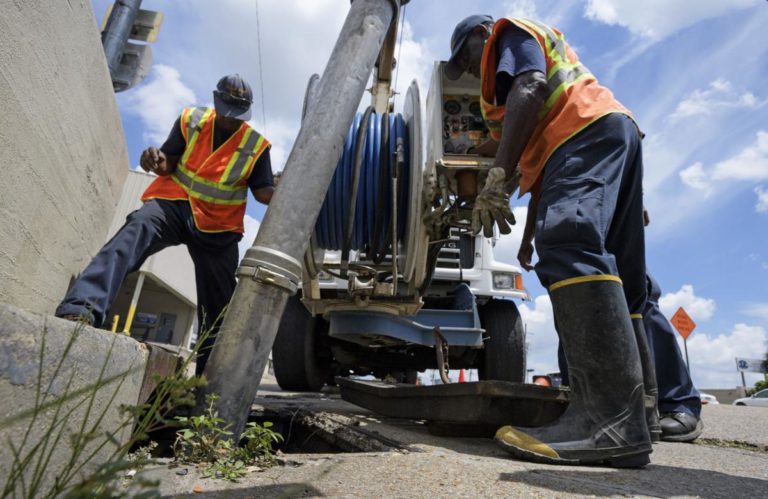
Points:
(374, 189)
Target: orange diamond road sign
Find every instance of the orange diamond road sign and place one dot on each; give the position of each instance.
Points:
(683, 323)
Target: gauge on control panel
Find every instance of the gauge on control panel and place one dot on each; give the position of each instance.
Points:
(474, 108)
(452, 107)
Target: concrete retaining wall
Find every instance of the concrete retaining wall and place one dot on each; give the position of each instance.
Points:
(62, 149)
(21, 339)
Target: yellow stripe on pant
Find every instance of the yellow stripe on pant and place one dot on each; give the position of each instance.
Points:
(583, 279)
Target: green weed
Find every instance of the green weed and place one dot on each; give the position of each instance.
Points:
(205, 439)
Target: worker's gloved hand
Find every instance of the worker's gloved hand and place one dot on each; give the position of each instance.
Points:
(154, 160)
(492, 205)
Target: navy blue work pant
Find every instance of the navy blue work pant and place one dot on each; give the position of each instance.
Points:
(159, 224)
(589, 219)
(676, 390)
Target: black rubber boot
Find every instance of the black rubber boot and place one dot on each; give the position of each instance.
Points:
(605, 419)
(649, 381)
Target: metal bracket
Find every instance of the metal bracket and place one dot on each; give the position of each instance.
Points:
(441, 351)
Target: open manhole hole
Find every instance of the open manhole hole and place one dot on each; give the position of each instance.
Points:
(304, 432)
(308, 432)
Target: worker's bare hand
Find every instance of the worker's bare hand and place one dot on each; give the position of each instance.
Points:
(492, 206)
(525, 255)
(154, 160)
(487, 148)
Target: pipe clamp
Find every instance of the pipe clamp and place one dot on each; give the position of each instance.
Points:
(266, 276)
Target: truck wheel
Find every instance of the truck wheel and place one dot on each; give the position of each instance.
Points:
(411, 377)
(298, 364)
(503, 357)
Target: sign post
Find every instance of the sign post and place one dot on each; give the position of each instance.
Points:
(685, 326)
(750, 366)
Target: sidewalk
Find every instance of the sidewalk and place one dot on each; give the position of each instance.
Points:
(731, 461)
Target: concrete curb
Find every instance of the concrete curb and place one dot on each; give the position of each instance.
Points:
(21, 338)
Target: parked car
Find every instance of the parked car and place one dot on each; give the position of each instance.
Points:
(708, 399)
(759, 399)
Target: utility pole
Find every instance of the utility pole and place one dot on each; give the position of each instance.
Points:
(271, 268)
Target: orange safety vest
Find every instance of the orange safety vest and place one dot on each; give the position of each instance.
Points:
(574, 101)
(214, 182)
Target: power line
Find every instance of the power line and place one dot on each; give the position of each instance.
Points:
(261, 72)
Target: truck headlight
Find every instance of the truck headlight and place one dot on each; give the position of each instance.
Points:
(503, 280)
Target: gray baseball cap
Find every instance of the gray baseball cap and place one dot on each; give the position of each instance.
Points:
(460, 34)
(233, 98)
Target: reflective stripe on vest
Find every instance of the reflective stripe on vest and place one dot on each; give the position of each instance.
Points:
(561, 74)
(224, 191)
(209, 191)
(214, 181)
(574, 97)
(246, 150)
(194, 123)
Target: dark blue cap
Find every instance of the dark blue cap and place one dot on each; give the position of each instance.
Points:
(233, 98)
(463, 29)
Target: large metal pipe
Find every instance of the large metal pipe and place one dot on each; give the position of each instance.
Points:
(117, 31)
(271, 268)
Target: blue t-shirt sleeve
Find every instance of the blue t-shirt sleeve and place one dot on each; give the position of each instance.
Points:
(518, 52)
(261, 175)
(175, 144)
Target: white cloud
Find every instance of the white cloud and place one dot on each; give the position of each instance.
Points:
(159, 102)
(542, 337)
(508, 245)
(694, 176)
(251, 229)
(282, 136)
(521, 8)
(762, 199)
(657, 19)
(700, 309)
(713, 357)
(297, 38)
(759, 310)
(749, 164)
(719, 96)
(415, 63)
(758, 260)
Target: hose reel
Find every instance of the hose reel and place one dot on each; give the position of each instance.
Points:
(372, 210)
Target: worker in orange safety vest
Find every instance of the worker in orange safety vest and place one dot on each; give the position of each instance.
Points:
(205, 168)
(568, 141)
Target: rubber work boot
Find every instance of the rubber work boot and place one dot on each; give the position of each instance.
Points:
(651, 399)
(605, 419)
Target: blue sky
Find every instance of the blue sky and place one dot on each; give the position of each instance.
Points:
(692, 71)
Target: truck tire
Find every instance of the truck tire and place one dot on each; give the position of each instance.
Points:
(503, 357)
(411, 377)
(297, 364)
